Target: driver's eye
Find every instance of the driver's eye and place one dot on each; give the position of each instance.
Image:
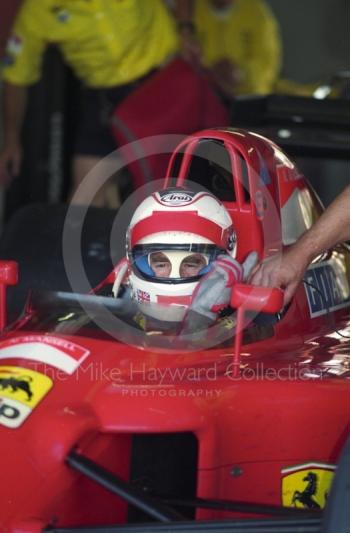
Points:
(192, 265)
(160, 265)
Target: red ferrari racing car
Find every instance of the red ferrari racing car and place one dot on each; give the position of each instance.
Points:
(104, 426)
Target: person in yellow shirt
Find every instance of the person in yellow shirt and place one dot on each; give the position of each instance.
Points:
(111, 47)
(240, 44)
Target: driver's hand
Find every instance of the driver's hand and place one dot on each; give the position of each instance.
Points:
(249, 265)
(213, 292)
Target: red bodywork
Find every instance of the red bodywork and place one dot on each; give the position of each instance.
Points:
(287, 406)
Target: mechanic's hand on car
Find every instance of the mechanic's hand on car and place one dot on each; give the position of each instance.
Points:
(10, 162)
(213, 293)
(283, 270)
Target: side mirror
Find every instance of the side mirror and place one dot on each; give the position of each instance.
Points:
(8, 276)
(254, 298)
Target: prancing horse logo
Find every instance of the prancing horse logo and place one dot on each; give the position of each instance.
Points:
(15, 384)
(306, 485)
(306, 496)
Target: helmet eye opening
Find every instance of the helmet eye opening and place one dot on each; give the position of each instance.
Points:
(164, 263)
(177, 264)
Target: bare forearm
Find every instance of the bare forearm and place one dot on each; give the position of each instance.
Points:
(332, 228)
(287, 270)
(14, 105)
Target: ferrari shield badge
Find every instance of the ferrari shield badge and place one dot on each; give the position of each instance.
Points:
(306, 486)
(21, 390)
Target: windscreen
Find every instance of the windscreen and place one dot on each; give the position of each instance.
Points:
(129, 322)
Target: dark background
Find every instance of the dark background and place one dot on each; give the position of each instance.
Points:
(316, 45)
(315, 36)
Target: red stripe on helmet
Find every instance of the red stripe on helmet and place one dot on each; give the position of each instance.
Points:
(179, 300)
(189, 222)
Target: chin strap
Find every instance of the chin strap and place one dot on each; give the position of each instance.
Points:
(120, 271)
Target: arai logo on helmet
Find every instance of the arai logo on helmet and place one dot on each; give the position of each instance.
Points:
(176, 197)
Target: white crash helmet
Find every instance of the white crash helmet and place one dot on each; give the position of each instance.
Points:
(173, 237)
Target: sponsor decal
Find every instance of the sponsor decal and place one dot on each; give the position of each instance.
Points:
(143, 296)
(328, 289)
(307, 485)
(176, 198)
(260, 204)
(21, 389)
(54, 351)
(232, 239)
(12, 413)
(264, 171)
(14, 45)
(289, 183)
